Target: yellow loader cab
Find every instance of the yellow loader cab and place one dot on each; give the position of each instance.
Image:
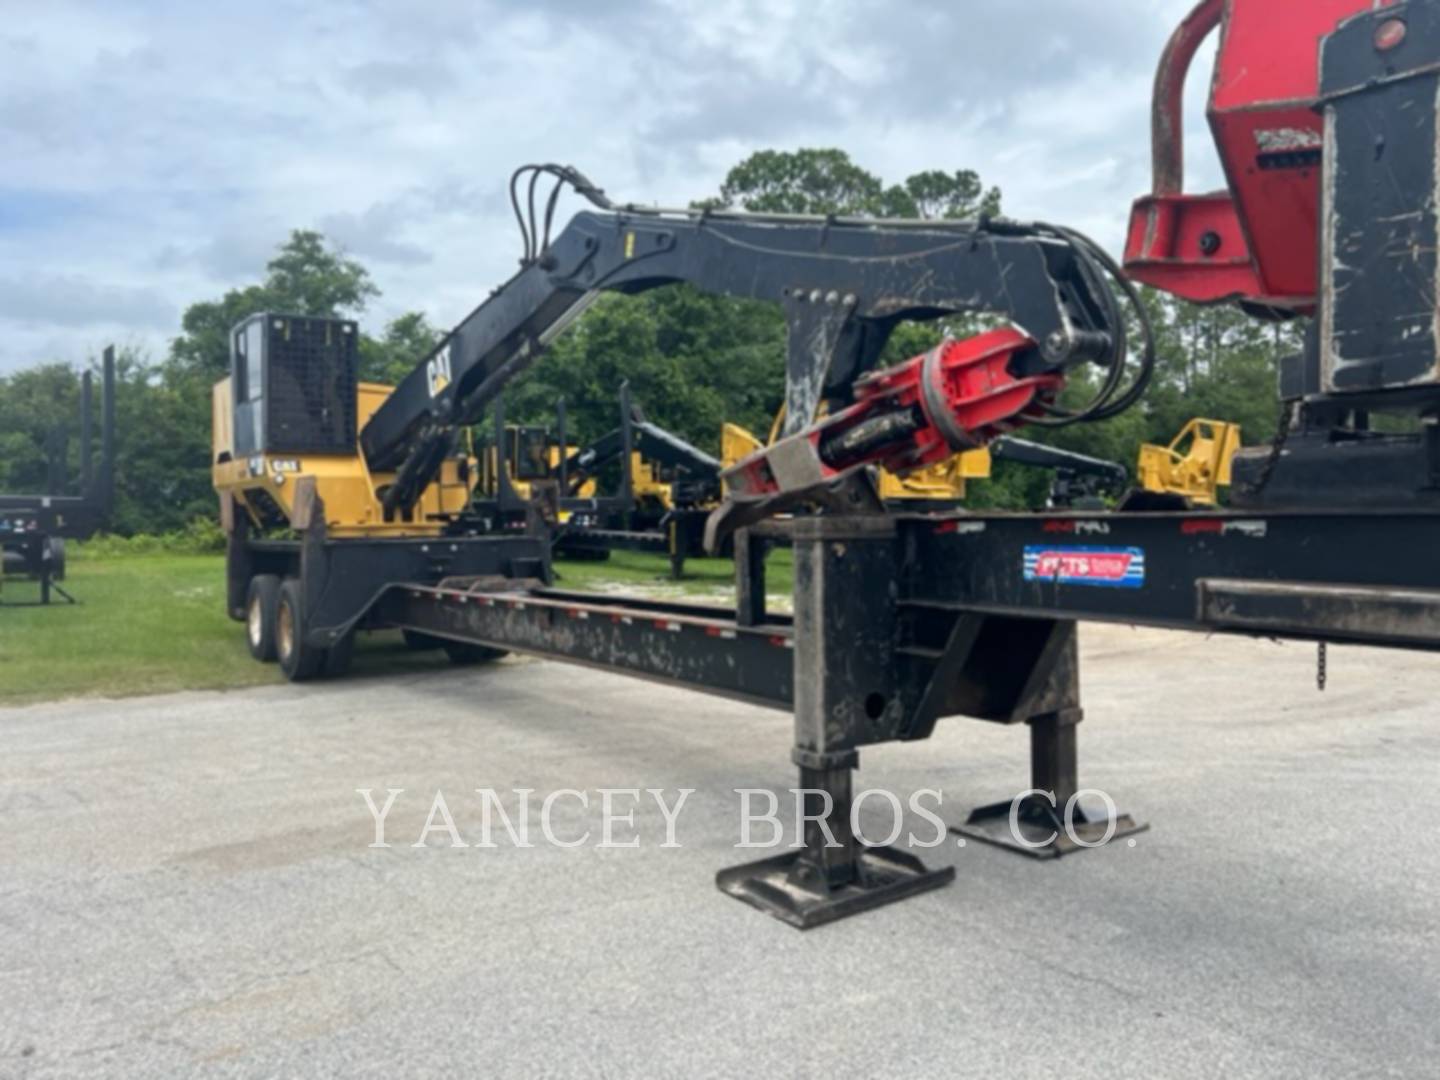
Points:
(531, 454)
(285, 425)
(312, 555)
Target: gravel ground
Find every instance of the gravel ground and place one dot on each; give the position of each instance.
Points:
(187, 887)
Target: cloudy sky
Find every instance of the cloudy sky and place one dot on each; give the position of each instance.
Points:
(154, 152)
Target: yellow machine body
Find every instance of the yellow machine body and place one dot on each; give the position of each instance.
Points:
(526, 461)
(263, 485)
(647, 487)
(736, 444)
(942, 481)
(1195, 465)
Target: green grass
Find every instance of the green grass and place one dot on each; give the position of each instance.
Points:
(155, 623)
(144, 624)
(707, 578)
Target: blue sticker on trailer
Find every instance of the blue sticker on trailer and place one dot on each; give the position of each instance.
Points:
(1102, 567)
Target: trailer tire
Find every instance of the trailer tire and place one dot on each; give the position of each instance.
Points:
(299, 660)
(462, 653)
(261, 596)
(56, 546)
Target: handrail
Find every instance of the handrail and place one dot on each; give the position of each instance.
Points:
(1167, 118)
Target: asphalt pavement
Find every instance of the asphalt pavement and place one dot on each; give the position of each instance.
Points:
(187, 886)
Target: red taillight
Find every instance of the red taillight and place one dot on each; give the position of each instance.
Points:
(1390, 34)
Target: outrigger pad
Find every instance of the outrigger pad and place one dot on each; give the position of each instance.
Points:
(795, 891)
(1041, 828)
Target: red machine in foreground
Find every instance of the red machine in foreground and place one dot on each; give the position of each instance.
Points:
(1257, 241)
(1324, 116)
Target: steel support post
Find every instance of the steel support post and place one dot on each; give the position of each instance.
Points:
(677, 543)
(1049, 820)
(750, 551)
(845, 622)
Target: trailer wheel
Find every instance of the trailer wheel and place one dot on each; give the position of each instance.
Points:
(461, 652)
(260, 599)
(56, 545)
(299, 660)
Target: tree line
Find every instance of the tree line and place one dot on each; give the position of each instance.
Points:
(693, 361)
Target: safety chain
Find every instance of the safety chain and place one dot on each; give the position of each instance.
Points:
(1277, 447)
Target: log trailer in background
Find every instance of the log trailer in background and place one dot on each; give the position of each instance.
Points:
(1323, 112)
(34, 528)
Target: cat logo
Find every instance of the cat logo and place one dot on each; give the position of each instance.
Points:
(438, 371)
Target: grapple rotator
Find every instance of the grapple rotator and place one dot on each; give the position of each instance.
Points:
(958, 396)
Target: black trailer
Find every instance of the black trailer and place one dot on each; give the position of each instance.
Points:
(34, 528)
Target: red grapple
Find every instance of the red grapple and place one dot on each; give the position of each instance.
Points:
(956, 397)
(965, 390)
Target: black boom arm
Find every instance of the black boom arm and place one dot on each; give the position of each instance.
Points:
(843, 284)
(654, 443)
(1024, 452)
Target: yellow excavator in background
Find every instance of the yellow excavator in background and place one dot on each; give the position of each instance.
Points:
(530, 454)
(1195, 465)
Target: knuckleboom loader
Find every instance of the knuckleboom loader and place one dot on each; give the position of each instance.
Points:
(333, 489)
(1325, 116)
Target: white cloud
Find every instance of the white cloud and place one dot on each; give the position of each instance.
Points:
(41, 300)
(154, 154)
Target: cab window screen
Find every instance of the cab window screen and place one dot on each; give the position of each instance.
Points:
(310, 399)
(254, 361)
(530, 461)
